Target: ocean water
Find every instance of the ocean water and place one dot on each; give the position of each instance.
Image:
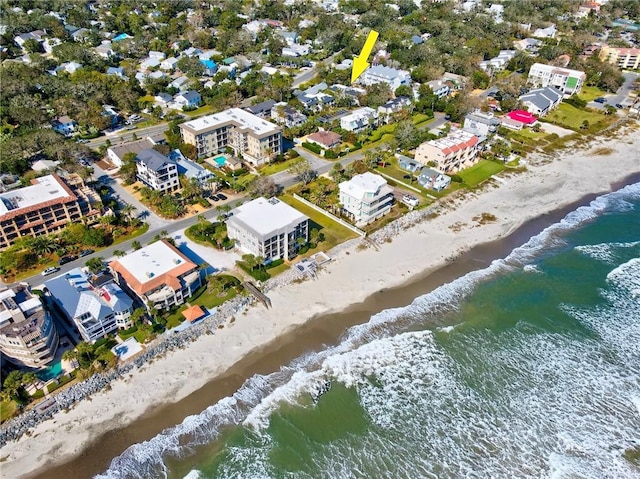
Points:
(529, 368)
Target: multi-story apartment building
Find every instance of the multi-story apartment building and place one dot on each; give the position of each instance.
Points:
(268, 228)
(627, 58)
(456, 151)
(28, 336)
(45, 206)
(359, 120)
(566, 80)
(382, 74)
(366, 197)
(158, 274)
(157, 171)
(95, 304)
(254, 139)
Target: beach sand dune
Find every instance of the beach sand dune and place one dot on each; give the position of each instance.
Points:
(353, 274)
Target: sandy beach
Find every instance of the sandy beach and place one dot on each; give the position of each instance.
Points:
(354, 274)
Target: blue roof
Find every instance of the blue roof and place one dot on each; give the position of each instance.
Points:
(208, 63)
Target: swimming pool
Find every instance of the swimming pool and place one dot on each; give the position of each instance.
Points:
(51, 372)
(220, 160)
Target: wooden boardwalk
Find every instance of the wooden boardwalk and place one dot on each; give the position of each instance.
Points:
(253, 289)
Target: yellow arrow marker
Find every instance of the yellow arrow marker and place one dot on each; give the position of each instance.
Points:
(360, 63)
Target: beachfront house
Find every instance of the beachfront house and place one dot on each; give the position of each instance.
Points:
(159, 275)
(541, 100)
(450, 154)
(365, 197)
(28, 335)
(268, 228)
(430, 178)
(94, 303)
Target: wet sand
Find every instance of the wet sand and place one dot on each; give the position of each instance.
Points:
(315, 335)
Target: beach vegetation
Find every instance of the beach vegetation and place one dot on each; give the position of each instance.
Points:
(254, 267)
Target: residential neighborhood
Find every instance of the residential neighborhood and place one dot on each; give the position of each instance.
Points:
(161, 159)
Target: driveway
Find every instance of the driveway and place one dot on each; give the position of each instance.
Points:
(621, 96)
(218, 260)
(558, 130)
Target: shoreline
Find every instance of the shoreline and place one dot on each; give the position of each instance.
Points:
(257, 335)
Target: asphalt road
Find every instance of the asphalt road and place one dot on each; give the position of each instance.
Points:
(621, 95)
(283, 179)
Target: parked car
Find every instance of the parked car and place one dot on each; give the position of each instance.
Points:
(600, 99)
(215, 198)
(222, 197)
(67, 259)
(85, 252)
(49, 271)
(619, 106)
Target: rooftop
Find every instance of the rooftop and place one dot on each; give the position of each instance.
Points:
(44, 189)
(20, 304)
(266, 216)
(152, 266)
(360, 185)
(154, 160)
(78, 296)
(385, 72)
(235, 116)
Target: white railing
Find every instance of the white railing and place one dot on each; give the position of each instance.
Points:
(329, 215)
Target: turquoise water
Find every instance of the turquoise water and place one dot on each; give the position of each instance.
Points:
(529, 368)
(220, 160)
(51, 372)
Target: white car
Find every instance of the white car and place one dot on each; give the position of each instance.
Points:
(49, 271)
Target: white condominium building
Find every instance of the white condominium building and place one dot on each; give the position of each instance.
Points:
(254, 139)
(268, 228)
(566, 80)
(366, 197)
(450, 154)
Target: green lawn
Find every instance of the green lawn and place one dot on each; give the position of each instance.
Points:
(334, 233)
(590, 93)
(572, 117)
(272, 168)
(203, 110)
(7, 410)
(481, 171)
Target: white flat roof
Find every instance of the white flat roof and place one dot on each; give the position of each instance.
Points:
(360, 185)
(265, 216)
(47, 188)
(239, 117)
(151, 261)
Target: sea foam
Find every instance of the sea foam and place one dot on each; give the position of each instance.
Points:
(372, 349)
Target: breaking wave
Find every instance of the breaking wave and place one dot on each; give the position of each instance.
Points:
(380, 347)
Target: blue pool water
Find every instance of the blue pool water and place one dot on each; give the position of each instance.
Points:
(220, 160)
(51, 372)
(122, 36)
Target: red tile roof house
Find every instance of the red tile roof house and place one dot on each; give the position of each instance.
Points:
(326, 139)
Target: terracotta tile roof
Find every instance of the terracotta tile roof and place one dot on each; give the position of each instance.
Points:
(21, 211)
(170, 278)
(193, 313)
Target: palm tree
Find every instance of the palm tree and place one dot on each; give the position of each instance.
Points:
(119, 253)
(44, 244)
(128, 210)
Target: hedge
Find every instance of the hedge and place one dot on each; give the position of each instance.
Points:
(259, 274)
(330, 154)
(312, 147)
(274, 263)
